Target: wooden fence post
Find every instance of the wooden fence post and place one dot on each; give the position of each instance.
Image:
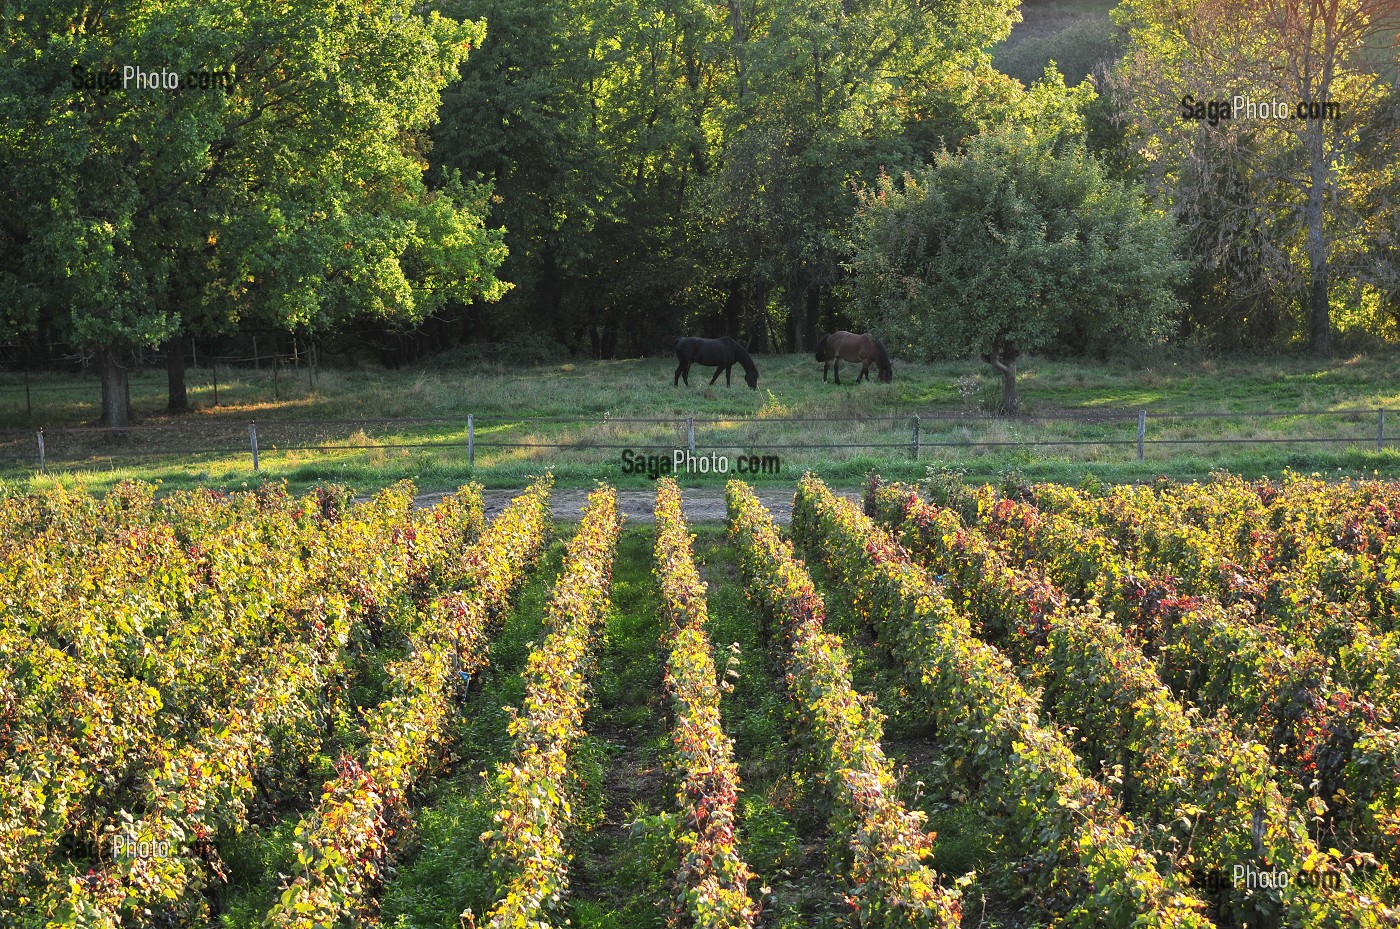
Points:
(690, 433)
(1142, 431)
(471, 439)
(253, 441)
(42, 468)
(1380, 429)
(916, 438)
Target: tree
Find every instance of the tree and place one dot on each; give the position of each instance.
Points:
(1276, 53)
(1019, 243)
(291, 192)
(592, 118)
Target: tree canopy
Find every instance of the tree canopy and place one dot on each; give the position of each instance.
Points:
(605, 175)
(294, 193)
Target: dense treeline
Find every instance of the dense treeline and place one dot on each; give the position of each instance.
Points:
(707, 166)
(693, 165)
(597, 176)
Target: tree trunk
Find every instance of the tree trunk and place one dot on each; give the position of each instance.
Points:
(812, 327)
(733, 307)
(1003, 359)
(175, 376)
(116, 400)
(1010, 399)
(1319, 307)
(796, 302)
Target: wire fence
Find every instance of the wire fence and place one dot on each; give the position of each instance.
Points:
(913, 435)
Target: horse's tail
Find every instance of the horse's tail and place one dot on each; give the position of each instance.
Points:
(821, 349)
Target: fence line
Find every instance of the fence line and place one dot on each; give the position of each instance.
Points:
(46, 438)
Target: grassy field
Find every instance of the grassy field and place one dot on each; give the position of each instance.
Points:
(371, 427)
(1075, 34)
(1078, 34)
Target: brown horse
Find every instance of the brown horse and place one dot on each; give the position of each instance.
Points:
(848, 346)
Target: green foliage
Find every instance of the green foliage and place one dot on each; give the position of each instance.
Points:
(295, 197)
(1022, 235)
(1279, 211)
(691, 164)
(1075, 51)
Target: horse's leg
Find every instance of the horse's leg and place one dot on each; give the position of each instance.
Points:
(718, 370)
(838, 370)
(678, 375)
(727, 368)
(864, 373)
(826, 366)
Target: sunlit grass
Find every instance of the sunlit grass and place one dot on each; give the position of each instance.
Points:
(349, 411)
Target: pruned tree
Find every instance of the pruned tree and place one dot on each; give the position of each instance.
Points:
(1018, 243)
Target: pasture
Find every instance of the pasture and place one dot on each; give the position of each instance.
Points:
(332, 424)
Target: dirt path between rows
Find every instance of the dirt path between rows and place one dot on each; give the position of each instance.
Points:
(701, 505)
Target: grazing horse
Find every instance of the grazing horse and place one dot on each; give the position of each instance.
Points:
(848, 346)
(721, 353)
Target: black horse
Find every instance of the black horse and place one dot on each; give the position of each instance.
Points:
(721, 353)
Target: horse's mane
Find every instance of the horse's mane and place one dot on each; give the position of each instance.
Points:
(884, 360)
(741, 355)
(821, 349)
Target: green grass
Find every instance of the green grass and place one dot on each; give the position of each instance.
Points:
(328, 433)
